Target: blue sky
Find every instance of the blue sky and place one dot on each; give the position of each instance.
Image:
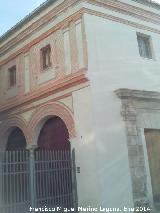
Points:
(12, 11)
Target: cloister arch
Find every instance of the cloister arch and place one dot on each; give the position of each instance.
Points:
(46, 112)
(8, 126)
(54, 135)
(51, 127)
(16, 140)
(13, 137)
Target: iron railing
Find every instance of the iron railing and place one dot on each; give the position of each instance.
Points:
(35, 179)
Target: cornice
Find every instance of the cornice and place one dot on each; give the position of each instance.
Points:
(109, 4)
(26, 47)
(150, 3)
(138, 94)
(121, 20)
(47, 3)
(46, 90)
(46, 19)
(128, 9)
(113, 5)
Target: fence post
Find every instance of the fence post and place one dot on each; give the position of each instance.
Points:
(74, 182)
(32, 176)
(1, 179)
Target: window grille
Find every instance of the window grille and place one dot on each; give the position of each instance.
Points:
(46, 57)
(144, 46)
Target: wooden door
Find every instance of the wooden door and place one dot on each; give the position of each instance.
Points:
(153, 149)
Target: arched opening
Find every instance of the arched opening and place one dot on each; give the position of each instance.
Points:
(16, 140)
(15, 177)
(41, 177)
(53, 167)
(54, 135)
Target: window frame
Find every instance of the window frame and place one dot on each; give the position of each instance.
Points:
(12, 76)
(148, 46)
(45, 52)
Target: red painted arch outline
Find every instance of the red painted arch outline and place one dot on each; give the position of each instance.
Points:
(52, 109)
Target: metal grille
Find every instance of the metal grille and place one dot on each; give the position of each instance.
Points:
(37, 179)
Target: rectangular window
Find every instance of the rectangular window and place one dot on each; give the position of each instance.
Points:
(12, 76)
(144, 45)
(46, 57)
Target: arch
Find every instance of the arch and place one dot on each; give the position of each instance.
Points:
(47, 111)
(7, 127)
(54, 135)
(16, 140)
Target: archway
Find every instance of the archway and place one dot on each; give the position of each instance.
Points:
(54, 135)
(16, 140)
(49, 110)
(15, 177)
(53, 167)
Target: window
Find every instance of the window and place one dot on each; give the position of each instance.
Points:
(144, 45)
(12, 76)
(46, 57)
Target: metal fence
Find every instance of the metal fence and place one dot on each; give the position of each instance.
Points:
(37, 179)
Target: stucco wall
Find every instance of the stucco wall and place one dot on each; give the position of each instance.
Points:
(114, 62)
(84, 144)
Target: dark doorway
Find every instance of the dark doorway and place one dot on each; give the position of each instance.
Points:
(54, 175)
(54, 135)
(44, 177)
(16, 140)
(15, 178)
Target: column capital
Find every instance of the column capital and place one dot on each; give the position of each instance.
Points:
(31, 146)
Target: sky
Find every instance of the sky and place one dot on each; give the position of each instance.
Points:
(12, 11)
